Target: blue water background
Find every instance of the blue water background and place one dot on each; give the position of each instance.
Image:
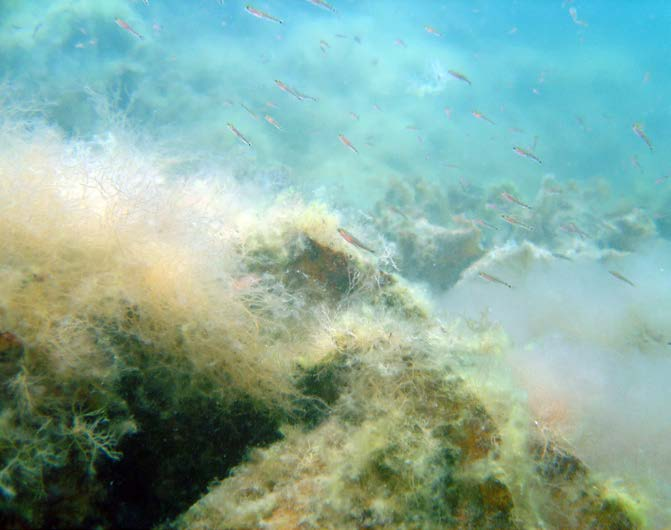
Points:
(568, 91)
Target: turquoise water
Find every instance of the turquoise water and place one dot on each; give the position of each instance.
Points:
(570, 91)
(439, 93)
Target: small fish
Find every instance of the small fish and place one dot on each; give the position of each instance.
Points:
(260, 14)
(286, 88)
(400, 42)
(433, 31)
(481, 116)
(527, 154)
(638, 131)
(399, 212)
(494, 279)
(238, 134)
(323, 4)
(459, 76)
(354, 116)
(272, 122)
(662, 180)
(303, 96)
(510, 198)
(622, 278)
(295, 93)
(353, 240)
(250, 111)
(482, 222)
(347, 143)
(123, 24)
(572, 228)
(513, 221)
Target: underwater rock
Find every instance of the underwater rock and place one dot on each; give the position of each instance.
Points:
(400, 447)
(629, 232)
(437, 255)
(148, 357)
(415, 198)
(406, 444)
(466, 197)
(579, 502)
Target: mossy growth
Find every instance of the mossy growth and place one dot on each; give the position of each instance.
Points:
(400, 450)
(306, 254)
(123, 352)
(269, 359)
(401, 441)
(578, 501)
(115, 451)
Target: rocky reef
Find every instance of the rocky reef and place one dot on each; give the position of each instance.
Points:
(186, 361)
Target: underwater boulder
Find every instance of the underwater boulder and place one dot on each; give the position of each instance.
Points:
(210, 368)
(406, 443)
(435, 254)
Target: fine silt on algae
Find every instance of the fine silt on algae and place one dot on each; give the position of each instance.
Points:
(208, 367)
(334, 264)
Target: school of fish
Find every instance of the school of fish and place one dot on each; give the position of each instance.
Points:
(519, 218)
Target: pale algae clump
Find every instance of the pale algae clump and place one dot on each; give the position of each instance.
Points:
(154, 334)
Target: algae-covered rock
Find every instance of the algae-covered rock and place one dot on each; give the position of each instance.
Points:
(401, 447)
(437, 255)
(255, 353)
(403, 443)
